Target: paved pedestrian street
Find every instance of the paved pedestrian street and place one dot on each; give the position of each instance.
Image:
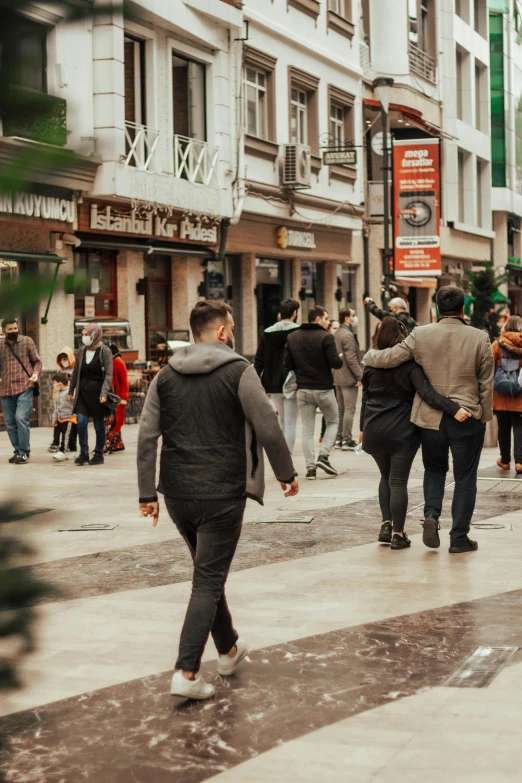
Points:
(351, 644)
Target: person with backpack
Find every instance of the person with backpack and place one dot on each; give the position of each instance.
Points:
(507, 392)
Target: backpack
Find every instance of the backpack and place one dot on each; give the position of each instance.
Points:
(506, 376)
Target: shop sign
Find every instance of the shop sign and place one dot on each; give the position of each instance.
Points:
(8, 263)
(289, 237)
(340, 157)
(38, 206)
(90, 306)
(416, 208)
(106, 219)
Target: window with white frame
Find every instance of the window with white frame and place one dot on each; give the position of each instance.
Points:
(298, 117)
(337, 125)
(255, 91)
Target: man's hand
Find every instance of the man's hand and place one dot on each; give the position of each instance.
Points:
(462, 414)
(359, 383)
(70, 397)
(123, 402)
(150, 510)
(103, 400)
(368, 299)
(294, 489)
(34, 377)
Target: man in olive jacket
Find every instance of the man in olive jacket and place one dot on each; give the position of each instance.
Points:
(459, 364)
(214, 417)
(348, 379)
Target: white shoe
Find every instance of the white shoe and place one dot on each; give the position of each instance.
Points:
(59, 456)
(228, 665)
(190, 689)
(70, 455)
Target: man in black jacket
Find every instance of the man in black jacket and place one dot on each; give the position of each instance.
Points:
(312, 355)
(398, 309)
(209, 407)
(269, 366)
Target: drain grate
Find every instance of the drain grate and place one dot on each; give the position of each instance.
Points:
(481, 668)
(285, 520)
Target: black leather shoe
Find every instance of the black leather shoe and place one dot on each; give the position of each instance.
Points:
(13, 458)
(466, 545)
(430, 534)
(82, 459)
(385, 534)
(400, 542)
(96, 459)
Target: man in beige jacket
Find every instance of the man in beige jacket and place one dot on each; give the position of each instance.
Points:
(459, 364)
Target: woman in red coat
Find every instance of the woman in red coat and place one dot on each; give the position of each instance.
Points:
(120, 385)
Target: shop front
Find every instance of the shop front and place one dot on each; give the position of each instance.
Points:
(269, 259)
(143, 268)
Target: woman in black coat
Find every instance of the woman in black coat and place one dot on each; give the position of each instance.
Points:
(387, 432)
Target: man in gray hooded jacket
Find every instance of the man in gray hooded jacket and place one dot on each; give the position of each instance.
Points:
(214, 417)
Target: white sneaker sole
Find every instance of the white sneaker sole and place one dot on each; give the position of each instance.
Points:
(225, 669)
(197, 691)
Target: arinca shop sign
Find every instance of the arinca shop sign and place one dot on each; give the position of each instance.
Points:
(152, 225)
(34, 205)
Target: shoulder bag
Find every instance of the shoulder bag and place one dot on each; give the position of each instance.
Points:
(36, 385)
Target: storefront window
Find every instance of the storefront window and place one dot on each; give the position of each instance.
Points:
(269, 289)
(95, 283)
(346, 285)
(158, 304)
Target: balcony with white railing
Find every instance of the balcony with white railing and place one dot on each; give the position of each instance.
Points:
(141, 144)
(422, 64)
(195, 161)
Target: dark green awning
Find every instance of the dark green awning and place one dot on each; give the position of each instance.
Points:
(499, 298)
(50, 258)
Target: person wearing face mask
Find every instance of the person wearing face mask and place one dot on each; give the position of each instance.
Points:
(65, 362)
(214, 418)
(347, 379)
(20, 368)
(115, 420)
(90, 383)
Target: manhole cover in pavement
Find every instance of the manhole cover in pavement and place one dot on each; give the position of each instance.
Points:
(481, 668)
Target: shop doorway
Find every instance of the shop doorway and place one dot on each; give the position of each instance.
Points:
(269, 291)
(158, 304)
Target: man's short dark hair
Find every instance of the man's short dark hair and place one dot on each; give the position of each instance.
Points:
(315, 312)
(288, 307)
(450, 300)
(206, 313)
(8, 322)
(347, 312)
(61, 377)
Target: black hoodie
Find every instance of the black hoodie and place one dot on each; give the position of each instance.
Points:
(270, 356)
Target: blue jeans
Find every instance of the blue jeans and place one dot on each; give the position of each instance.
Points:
(99, 426)
(17, 414)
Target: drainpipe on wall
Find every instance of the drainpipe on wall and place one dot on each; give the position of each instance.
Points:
(366, 259)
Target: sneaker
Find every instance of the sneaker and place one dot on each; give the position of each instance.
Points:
(13, 458)
(70, 454)
(59, 456)
(348, 445)
(385, 534)
(311, 474)
(465, 545)
(400, 542)
(190, 689)
(82, 459)
(228, 665)
(52, 448)
(324, 463)
(96, 459)
(430, 535)
(21, 459)
(338, 443)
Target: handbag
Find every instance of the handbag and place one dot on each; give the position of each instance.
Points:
(36, 385)
(112, 401)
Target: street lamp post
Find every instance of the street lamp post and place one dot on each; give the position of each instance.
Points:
(383, 87)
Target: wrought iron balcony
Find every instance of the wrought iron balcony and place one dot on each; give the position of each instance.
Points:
(422, 64)
(34, 115)
(140, 146)
(195, 161)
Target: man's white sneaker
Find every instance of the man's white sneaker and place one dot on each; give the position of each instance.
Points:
(228, 665)
(59, 456)
(190, 689)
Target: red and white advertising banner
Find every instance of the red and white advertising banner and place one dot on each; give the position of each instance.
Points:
(416, 208)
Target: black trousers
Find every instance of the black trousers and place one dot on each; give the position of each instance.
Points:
(211, 529)
(508, 421)
(65, 434)
(393, 488)
(465, 441)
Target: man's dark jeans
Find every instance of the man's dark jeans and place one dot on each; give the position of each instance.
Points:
(211, 529)
(465, 441)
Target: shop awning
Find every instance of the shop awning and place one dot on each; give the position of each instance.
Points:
(166, 250)
(499, 298)
(500, 6)
(418, 282)
(50, 258)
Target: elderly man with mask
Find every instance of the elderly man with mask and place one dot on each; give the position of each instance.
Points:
(398, 309)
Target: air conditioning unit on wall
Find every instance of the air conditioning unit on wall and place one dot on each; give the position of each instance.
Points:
(297, 166)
